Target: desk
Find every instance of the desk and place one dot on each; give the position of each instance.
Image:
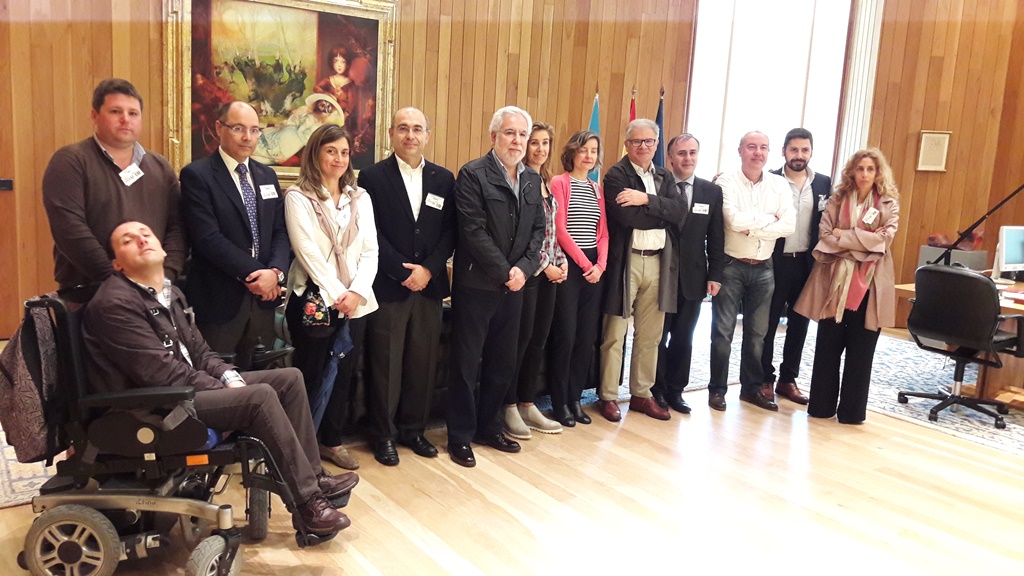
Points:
(1005, 384)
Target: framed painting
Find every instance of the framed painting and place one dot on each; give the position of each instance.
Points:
(299, 63)
(931, 156)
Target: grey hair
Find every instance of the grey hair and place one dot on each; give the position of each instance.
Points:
(751, 133)
(500, 115)
(641, 123)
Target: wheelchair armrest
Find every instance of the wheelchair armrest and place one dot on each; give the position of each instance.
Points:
(228, 357)
(1018, 346)
(139, 398)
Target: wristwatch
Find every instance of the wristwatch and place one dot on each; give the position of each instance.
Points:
(280, 276)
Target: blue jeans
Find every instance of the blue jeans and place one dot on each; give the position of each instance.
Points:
(749, 286)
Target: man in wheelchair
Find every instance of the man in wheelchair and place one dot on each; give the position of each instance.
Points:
(139, 332)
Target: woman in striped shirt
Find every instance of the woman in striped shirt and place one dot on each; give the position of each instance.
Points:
(582, 231)
(538, 303)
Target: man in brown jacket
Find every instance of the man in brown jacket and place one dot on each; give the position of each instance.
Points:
(139, 331)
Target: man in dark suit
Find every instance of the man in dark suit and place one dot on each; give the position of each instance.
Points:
(234, 213)
(701, 255)
(793, 261)
(414, 207)
(501, 229)
(642, 277)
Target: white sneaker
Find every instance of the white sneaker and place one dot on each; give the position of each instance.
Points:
(514, 425)
(536, 420)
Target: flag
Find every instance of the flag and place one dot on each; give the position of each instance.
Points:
(595, 127)
(632, 116)
(659, 154)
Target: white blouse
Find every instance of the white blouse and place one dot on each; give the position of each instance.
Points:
(314, 255)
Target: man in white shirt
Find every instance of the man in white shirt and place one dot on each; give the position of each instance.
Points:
(792, 263)
(757, 207)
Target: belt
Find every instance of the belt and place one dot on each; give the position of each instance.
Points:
(646, 253)
(750, 261)
(793, 254)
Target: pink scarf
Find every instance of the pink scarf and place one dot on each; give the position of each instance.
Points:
(851, 279)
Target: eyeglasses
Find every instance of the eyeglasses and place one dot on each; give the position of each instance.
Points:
(638, 142)
(238, 129)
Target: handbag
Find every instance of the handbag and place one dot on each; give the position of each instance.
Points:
(318, 319)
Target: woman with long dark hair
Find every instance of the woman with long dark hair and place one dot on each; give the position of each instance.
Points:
(851, 289)
(332, 232)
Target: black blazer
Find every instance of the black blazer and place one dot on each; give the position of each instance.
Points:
(496, 232)
(666, 210)
(218, 230)
(702, 242)
(821, 188)
(428, 241)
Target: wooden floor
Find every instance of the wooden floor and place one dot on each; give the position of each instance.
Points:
(712, 492)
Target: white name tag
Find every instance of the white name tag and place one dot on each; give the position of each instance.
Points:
(870, 215)
(130, 174)
(267, 191)
(700, 208)
(821, 203)
(435, 201)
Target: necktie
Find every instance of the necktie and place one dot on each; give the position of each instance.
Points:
(683, 192)
(249, 199)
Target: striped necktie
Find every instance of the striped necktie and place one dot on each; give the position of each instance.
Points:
(249, 198)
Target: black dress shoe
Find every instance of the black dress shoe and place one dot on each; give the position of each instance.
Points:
(420, 446)
(678, 404)
(717, 401)
(760, 400)
(578, 414)
(564, 416)
(462, 454)
(499, 442)
(385, 452)
(659, 399)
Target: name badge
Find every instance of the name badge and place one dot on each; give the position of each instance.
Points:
(870, 215)
(435, 201)
(267, 191)
(130, 174)
(821, 203)
(699, 208)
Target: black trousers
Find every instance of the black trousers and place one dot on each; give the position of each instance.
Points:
(534, 327)
(852, 393)
(676, 349)
(240, 335)
(310, 357)
(272, 406)
(485, 328)
(574, 332)
(402, 343)
(790, 276)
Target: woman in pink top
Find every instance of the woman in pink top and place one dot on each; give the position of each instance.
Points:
(850, 292)
(582, 231)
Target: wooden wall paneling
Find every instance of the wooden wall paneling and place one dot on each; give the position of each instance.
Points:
(432, 87)
(405, 41)
(606, 47)
(1009, 168)
(455, 68)
(579, 104)
(445, 94)
(471, 61)
(37, 71)
(489, 79)
(9, 314)
(540, 64)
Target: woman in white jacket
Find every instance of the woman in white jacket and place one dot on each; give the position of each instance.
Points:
(332, 232)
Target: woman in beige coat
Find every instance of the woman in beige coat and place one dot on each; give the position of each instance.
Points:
(850, 291)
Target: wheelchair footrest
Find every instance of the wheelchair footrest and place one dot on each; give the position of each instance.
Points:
(308, 539)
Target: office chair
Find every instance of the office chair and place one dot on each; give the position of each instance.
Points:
(960, 308)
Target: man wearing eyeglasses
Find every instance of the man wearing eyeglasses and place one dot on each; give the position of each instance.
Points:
(642, 202)
(414, 208)
(757, 207)
(92, 186)
(234, 214)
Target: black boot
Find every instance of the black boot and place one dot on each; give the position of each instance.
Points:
(563, 415)
(578, 413)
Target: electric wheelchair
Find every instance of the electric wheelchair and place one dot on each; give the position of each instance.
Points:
(138, 465)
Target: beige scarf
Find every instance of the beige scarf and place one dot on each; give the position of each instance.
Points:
(340, 239)
(848, 272)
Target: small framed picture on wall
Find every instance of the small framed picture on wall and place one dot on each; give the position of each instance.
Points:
(932, 154)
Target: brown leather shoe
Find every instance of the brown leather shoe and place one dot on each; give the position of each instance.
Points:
(766, 390)
(610, 410)
(789, 391)
(334, 486)
(760, 400)
(317, 516)
(648, 406)
(717, 401)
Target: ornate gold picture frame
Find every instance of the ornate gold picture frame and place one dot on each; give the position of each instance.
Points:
(299, 63)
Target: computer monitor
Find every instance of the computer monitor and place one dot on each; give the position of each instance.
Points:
(1010, 253)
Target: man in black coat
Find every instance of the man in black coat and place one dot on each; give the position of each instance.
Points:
(701, 255)
(414, 207)
(642, 277)
(501, 229)
(234, 213)
(793, 262)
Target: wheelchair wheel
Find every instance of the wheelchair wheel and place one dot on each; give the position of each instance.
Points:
(193, 529)
(258, 513)
(72, 539)
(205, 559)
